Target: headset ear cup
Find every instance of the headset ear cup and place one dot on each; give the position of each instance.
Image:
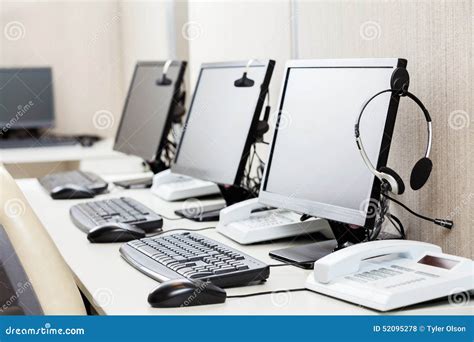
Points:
(398, 179)
(420, 173)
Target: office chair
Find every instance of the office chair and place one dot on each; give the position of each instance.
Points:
(45, 269)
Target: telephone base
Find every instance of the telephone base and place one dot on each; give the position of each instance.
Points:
(250, 222)
(174, 187)
(390, 274)
(248, 234)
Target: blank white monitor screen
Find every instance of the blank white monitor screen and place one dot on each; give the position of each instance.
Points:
(146, 111)
(315, 166)
(219, 120)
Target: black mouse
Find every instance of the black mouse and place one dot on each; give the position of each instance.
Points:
(183, 292)
(71, 191)
(87, 140)
(115, 232)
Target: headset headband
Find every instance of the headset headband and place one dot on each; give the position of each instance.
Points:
(166, 67)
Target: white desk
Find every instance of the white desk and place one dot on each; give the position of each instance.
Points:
(37, 162)
(115, 288)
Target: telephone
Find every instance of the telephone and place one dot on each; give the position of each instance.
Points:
(390, 274)
(171, 186)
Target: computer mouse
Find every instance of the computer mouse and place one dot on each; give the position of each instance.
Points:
(184, 292)
(87, 140)
(71, 191)
(115, 232)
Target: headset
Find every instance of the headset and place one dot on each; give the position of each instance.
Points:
(164, 80)
(389, 178)
(176, 117)
(262, 126)
(422, 169)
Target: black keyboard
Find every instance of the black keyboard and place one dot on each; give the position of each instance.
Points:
(87, 180)
(37, 142)
(193, 256)
(89, 215)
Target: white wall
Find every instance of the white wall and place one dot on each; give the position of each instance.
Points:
(92, 47)
(146, 33)
(239, 30)
(80, 40)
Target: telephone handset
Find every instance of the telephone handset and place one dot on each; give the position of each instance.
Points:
(389, 274)
(348, 260)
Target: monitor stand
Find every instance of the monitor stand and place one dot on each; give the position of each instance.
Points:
(305, 256)
(157, 166)
(231, 194)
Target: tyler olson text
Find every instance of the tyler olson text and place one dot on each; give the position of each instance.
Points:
(434, 329)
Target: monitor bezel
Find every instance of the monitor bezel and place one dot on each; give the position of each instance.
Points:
(298, 205)
(174, 100)
(36, 124)
(269, 65)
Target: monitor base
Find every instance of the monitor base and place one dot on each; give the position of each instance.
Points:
(306, 255)
(201, 214)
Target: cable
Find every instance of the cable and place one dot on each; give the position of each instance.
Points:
(397, 224)
(181, 229)
(267, 292)
(171, 218)
(304, 263)
(409, 210)
(400, 224)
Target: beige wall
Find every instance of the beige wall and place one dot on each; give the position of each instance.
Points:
(437, 39)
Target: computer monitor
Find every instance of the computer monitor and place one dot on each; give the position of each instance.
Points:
(26, 99)
(221, 121)
(314, 166)
(149, 107)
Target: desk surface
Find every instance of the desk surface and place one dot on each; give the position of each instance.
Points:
(115, 288)
(101, 149)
